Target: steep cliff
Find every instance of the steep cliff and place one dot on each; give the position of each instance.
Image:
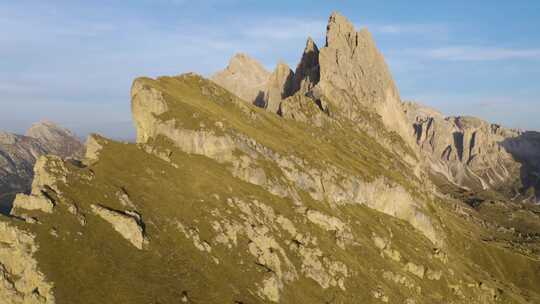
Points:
(244, 76)
(478, 155)
(222, 201)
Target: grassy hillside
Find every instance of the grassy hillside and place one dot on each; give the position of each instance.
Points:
(215, 237)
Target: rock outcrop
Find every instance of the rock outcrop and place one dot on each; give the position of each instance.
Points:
(307, 73)
(473, 153)
(278, 87)
(317, 200)
(244, 76)
(32, 202)
(21, 281)
(129, 224)
(19, 153)
(354, 75)
(17, 157)
(93, 146)
(349, 72)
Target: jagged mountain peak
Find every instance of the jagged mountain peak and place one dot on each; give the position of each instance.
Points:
(311, 46)
(355, 77)
(18, 153)
(242, 61)
(307, 73)
(307, 206)
(278, 86)
(56, 139)
(245, 76)
(338, 28)
(349, 73)
(48, 130)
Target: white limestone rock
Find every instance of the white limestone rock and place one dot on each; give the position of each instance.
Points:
(128, 224)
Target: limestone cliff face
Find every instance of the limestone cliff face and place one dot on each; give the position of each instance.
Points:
(21, 281)
(146, 104)
(354, 75)
(307, 73)
(299, 207)
(244, 76)
(278, 87)
(471, 152)
(263, 208)
(228, 147)
(349, 71)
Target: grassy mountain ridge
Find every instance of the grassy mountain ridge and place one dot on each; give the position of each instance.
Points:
(217, 236)
(324, 200)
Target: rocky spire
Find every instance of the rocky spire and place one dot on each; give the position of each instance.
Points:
(351, 61)
(278, 87)
(338, 30)
(307, 72)
(244, 76)
(355, 77)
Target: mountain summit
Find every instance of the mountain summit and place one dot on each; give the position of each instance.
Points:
(18, 154)
(312, 186)
(348, 72)
(245, 76)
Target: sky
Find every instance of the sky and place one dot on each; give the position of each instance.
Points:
(73, 61)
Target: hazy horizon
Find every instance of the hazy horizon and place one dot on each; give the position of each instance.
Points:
(72, 62)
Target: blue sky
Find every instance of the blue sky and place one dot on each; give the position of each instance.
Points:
(73, 61)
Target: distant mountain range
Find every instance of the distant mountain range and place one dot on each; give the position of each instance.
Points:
(18, 154)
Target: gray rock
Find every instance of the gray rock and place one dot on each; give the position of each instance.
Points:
(278, 87)
(19, 153)
(128, 224)
(245, 77)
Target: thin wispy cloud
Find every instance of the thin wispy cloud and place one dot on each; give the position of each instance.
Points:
(471, 53)
(409, 29)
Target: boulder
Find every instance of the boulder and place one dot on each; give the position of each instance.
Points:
(32, 202)
(128, 224)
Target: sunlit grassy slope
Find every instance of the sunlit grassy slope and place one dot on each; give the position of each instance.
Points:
(92, 263)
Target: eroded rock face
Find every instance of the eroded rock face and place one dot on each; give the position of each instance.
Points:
(470, 152)
(32, 202)
(323, 185)
(299, 207)
(307, 73)
(48, 171)
(128, 224)
(245, 77)
(349, 71)
(93, 146)
(19, 153)
(146, 104)
(353, 74)
(56, 139)
(21, 282)
(17, 157)
(278, 87)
